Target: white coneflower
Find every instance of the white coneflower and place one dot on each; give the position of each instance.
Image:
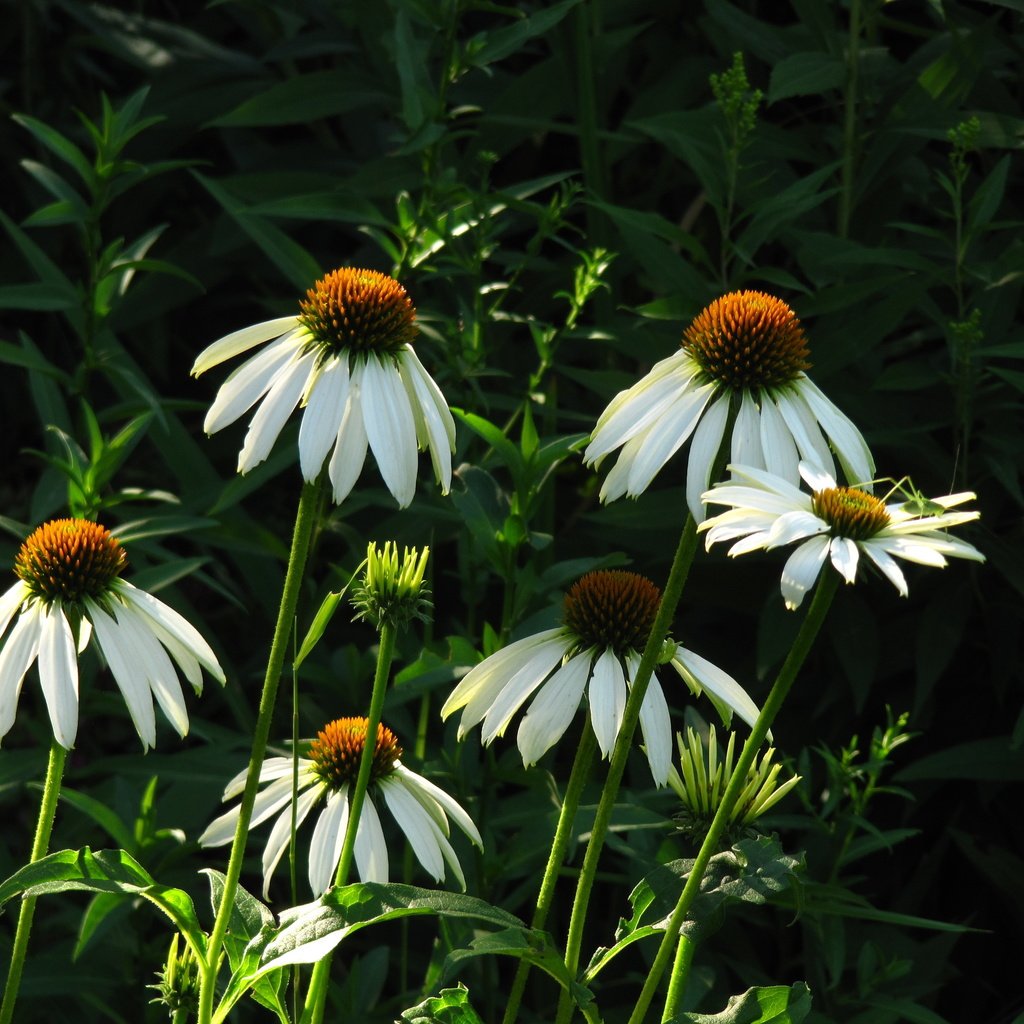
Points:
(608, 618)
(836, 523)
(748, 346)
(347, 358)
(69, 589)
(421, 809)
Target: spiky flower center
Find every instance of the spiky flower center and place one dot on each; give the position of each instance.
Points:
(338, 749)
(70, 559)
(358, 311)
(609, 608)
(850, 512)
(748, 339)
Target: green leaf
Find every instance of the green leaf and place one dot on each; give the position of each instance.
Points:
(101, 814)
(450, 1006)
(992, 759)
(321, 620)
(57, 144)
(503, 42)
(38, 296)
(111, 871)
(496, 438)
(774, 1004)
(805, 74)
(989, 195)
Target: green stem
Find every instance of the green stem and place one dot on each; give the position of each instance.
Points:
(581, 766)
(316, 997)
(623, 745)
(685, 949)
(787, 674)
(40, 845)
(305, 518)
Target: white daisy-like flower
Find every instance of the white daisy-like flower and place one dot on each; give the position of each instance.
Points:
(69, 590)
(347, 359)
(608, 618)
(835, 523)
(420, 808)
(746, 350)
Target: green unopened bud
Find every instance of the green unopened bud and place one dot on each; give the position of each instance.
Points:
(178, 982)
(704, 777)
(392, 590)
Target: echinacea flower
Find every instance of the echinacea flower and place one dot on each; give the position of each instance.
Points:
(421, 809)
(608, 618)
(69, 589)
(746, 350)
(347, 358)
(704, 775)
(833, 522)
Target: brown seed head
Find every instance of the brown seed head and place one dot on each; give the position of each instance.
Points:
(612, 609)
(338, 748)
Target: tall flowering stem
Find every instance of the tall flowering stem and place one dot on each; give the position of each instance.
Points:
(305, 519)
(40, 845)
(663, 620)
(581, 766)
(787, 674)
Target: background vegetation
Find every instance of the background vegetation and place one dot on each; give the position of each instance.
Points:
(560, 187)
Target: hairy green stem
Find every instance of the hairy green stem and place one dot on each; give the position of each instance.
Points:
(581, 766)
(40, 845)
(623, 745)
(787, 674)
(305, 519)
(316, 997)
(680, 972)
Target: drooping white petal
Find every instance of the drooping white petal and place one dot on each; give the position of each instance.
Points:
(793, 526)
(877, 553)
(777, 445)
(273, 413)
(923, 550)
(322, 416)
(121, 657)
(371, 850)
(655, 726)
(431, 426)
(746, 433)
(704, 448)
(607, 699)
(16, 657)
(417, 785)
(272, 768)
(248, 384)
(805, 430)
(801, 570)
(844, 555)
(717, 683)
(328, 839)
(10, 602)
(616, 483)
(350, 447)
(268, 802)
(851, 448)
(410, 363)
(58, 674)
(517, 690)
(553, 708)
(241, 341)
(417, 825)
(390, 428)
(281, 833)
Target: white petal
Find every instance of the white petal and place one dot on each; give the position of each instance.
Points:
(704, 448)
(16, 659)
(431, 426)
(923, 550)
(371, 849)
(122, 658)
(746, 434)
(793, 526)
(777, 445)
(877, 553)
(666, 436)
(616, 483)
(328, 839)
(815, 478)
(10, 602)
(801, 570)
(417, 825)
(350, 447)
(410, 362)
(804, 428)
(248, 384)
(553, 708)
(854, 454)
(607, 697)
(58, 674)
(390, 428)
(322, 416)
(281, 834)
(845, 556)
(273, 413)
(424, 789)
(517, 690)
(656, 726)
(717, 684)
(241, 341)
